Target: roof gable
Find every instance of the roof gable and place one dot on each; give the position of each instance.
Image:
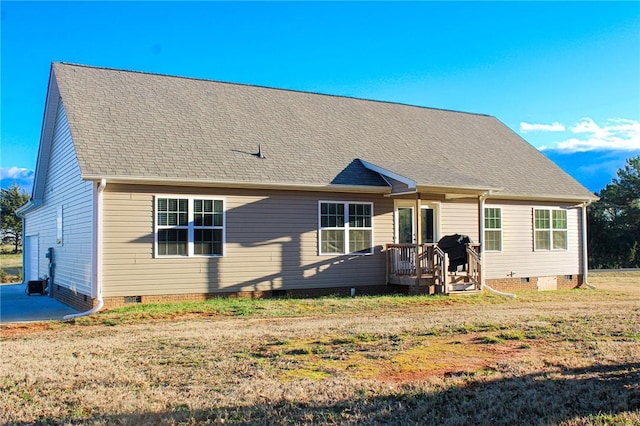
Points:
(145, 126)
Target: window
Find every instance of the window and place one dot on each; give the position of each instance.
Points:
(189, 227)
(550, 229)
(493, 229)
(345, 228)
(59, 223)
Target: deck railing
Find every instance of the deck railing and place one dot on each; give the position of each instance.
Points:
(428, 262)
(473, 264)
(402, 259)
(442, 274)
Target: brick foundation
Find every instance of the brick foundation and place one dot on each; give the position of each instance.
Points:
(118, 301)
(518, 284)
(83, 302)
(76, 300)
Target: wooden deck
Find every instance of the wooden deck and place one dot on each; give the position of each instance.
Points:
(424, 268)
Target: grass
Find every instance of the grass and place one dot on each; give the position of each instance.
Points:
(10, 265)
(569, 357)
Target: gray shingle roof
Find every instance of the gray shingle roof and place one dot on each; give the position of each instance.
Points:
(136, 125)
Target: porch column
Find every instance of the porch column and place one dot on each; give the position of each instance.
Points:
(481, 199)
(418, 228)
(418, 219)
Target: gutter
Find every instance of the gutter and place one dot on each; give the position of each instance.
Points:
(483, 284)
(97, 273)
(585, 255)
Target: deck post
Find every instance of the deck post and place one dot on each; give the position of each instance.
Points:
(387, 264)
(445, 274)
(418, 237)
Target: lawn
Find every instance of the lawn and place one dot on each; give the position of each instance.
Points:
(566, 357)
(10, 265)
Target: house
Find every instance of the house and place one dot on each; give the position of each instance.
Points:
(151, 187)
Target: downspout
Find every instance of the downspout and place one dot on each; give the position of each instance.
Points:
(483, 284)
(585, 254)
(97, 274)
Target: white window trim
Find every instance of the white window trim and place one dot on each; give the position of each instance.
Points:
(60, 226)
(190, 225)
(551, 229)
(493, 229)
(345, 228)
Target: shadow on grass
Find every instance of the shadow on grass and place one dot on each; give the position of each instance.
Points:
(594, 394)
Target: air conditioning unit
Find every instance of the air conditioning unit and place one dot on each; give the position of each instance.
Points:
(36, 286)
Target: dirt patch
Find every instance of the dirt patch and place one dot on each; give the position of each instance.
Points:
(16, 330)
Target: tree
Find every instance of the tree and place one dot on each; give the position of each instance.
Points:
(12, 199)
(614, 221)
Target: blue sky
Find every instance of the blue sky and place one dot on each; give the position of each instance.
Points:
(565, 76)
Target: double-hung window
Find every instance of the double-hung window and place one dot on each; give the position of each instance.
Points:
(550, 229)
(188, 226)
(493, 229)
(346, 227)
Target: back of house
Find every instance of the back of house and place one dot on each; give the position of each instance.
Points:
(151, 187)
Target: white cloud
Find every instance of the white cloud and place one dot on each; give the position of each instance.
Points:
(15, 173)
(20, 176)
(529, 127)
(616, 134)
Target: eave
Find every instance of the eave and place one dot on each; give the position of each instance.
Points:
(141, 180)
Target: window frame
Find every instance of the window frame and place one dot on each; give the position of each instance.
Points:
(486, 228)
(551, 229)
(345, 228)
(190, 227)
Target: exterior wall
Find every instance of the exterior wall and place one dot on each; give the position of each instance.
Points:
(64, 188)
(271, 244)
(460, 217)
(518, 259)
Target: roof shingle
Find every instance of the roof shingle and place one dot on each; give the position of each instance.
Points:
(136, 125)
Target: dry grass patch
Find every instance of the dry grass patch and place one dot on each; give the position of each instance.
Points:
(569, 360)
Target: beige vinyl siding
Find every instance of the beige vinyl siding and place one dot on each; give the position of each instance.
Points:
(64, 187)
(518, 256)
(459, 217)
(271, 243)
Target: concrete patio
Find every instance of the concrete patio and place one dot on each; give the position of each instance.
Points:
(17, 306)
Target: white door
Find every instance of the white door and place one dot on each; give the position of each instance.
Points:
(30, 267)
(405, 232)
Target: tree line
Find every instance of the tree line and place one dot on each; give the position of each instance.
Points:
(613, 224)
(614, 221)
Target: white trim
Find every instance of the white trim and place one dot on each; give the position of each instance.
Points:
(60, 226)
(424, 204)
(27, 261)
(396, 220)
(202, 183)
(190, 227)
(551, 229)
(501, 229)
(409, 182)
(345, 228)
